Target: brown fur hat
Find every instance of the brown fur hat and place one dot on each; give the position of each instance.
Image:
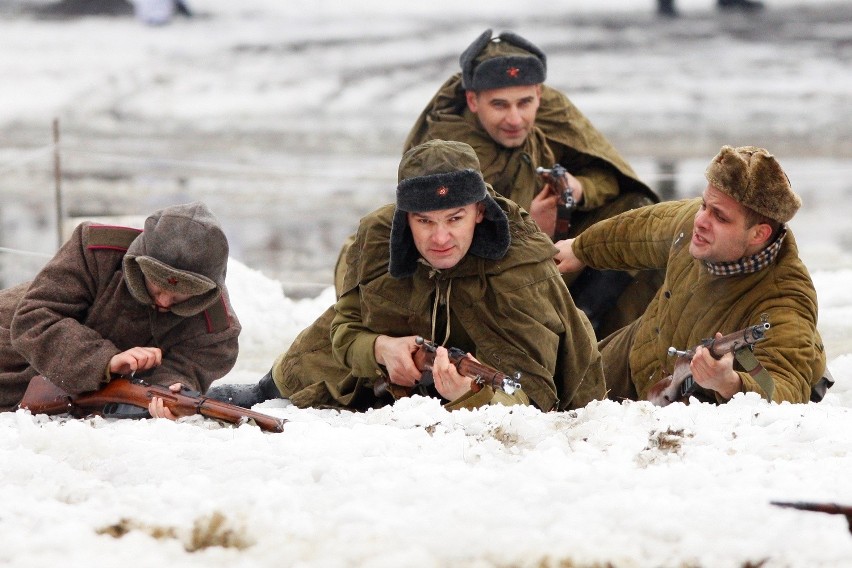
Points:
(753, 177)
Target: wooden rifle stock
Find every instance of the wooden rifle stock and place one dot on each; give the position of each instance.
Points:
(44, 397)
(557, 180)
(680, 384)
(480, 375)
(830, 508)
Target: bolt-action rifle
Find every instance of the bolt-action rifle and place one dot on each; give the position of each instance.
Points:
(129, 398)
(680, 384)
(831, 508)
(557, 180)
(480, 375)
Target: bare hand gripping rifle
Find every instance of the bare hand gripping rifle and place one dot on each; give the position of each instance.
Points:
(480, 375)
(831, 508)
(680, 384)
(557, 179)
(129, 398)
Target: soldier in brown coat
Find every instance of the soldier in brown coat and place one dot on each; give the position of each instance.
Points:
(116, 300)
(731, 262)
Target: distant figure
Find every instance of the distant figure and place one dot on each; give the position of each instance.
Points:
(159, 12)
(667, 7)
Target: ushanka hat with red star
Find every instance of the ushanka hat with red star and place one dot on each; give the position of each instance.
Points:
(507, 60)
(436, 175)
(181, 250)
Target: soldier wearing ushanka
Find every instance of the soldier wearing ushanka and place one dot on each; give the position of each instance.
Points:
(456, 264)
(731, 262)
(500, 105)
(117, 300)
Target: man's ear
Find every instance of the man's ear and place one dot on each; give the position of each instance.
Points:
(480, 211)
(472, 102)
(761, 233)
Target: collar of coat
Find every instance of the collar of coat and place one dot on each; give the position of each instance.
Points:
(749, 264)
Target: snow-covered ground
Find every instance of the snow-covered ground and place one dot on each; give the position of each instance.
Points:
(287, 117)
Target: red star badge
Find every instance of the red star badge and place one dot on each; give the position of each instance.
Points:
(173, 281)
(513, 72)
(443, 190)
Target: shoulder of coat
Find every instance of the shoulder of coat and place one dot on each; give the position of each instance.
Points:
(110, 237)
(217, 316)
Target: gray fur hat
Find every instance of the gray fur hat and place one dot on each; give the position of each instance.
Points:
(753, 177)
(181, 249)
(507, 60)
(442, 175)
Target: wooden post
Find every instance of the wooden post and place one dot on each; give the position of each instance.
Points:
(57, 179)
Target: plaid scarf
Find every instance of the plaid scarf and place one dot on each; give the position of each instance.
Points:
(749, 264)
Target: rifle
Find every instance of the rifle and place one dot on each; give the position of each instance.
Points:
(129, 398)
(831, 508)
(680, 384)
(480, 375)
(557, 180)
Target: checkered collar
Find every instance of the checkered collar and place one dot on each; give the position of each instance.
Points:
(748, 264)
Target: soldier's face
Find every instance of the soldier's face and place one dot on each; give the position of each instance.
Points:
(164, 299)
(443, 237)
(720, 233)
(507, 114)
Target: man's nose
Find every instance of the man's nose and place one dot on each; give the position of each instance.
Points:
(514, 115)
(164, 299)
(440, 234)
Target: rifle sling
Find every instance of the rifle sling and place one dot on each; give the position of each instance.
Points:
(745, 357)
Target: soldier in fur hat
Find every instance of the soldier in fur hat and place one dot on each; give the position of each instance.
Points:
(500, 105)
(731, 262)
(117, 300)
(455, 263)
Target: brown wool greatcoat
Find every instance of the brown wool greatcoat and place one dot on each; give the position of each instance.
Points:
(693, 304)
(78, 312)
(516, 312)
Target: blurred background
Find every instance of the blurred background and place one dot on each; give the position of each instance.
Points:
(288, 118)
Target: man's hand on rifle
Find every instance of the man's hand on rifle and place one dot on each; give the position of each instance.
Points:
(395, 353)
(157, 407)
(715, 374)
(543, 210)
(135, 359)
(448, 382)
(566, 260)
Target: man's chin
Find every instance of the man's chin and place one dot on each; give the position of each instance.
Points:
(443, 262)
(514, 142)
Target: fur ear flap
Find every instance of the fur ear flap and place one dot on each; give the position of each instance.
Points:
(468, 56)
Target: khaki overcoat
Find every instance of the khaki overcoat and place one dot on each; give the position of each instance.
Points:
(516, 311)
(562, 134)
